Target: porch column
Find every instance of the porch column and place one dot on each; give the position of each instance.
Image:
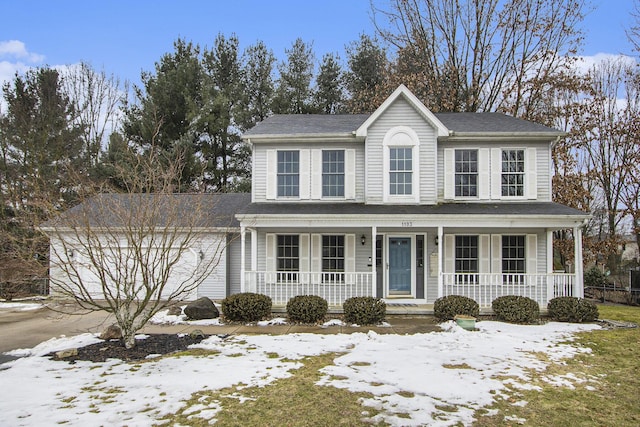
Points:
(440, 261)
(254, 250)
(374, 278)
(578, 287)
(243, 233)
(550, 279)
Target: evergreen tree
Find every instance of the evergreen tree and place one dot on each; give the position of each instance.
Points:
(217, 126)
(329, 94)
(160, 120)
(294, 93)
(41, 169)
(366, 75)
(258, 63)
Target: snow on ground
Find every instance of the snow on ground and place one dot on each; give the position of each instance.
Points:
(20, 306)
(439, 378)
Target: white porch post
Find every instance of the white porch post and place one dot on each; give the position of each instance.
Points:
(243, 232)
(578, 286)
(550, 279)
(374, 278)
(440, 261)
(254, 250)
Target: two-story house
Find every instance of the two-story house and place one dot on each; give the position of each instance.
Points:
(405, 205)
(402, 204)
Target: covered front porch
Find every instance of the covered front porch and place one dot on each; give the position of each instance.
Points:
(403, 265)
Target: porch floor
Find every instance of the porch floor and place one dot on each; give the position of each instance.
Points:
(393, 309)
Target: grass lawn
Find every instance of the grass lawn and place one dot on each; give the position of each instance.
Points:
(606, 383)
(599, 388)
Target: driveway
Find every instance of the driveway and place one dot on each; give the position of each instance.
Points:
(26, 329)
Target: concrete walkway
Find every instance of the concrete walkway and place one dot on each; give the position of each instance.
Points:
(26, 329)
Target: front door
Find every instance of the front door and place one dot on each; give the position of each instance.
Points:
(399, 266)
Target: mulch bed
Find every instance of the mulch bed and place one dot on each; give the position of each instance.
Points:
(115, 349)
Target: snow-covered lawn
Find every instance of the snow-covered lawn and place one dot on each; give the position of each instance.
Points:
(406, 374)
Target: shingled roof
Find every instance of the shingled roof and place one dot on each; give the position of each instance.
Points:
(346, 124)
(181, 210)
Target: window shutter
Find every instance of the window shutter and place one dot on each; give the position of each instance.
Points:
(449, 178)
(532, 253)
(449, 253)
(350, 174)
(484, 174)
(496, 253)
(304, 172)
(531, 176)
(484, 253)
(496, 173)
(349, 258)
(316, 252)
(272, 174)
(316, 174)
(350, 253)
(303, 252)
(271, 252)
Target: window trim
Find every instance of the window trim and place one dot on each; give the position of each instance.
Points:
(523, 173)
(477, 173)
(333, 275)
(401, 137)
(284, 174)
(530, 174)
(343, 174)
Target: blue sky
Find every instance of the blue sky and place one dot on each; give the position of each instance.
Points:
(126, 37)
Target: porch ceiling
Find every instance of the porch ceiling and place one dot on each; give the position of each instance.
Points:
(534, 214)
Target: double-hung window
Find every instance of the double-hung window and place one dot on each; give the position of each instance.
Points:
(513, 258)
(288, 173)
(466, 262)
(466, 170)
(288, 257)
(333, 173)
(333, 258)
(400, 170)
(513, 172)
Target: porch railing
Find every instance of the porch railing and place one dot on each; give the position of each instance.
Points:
(335, 288)
(484, 288)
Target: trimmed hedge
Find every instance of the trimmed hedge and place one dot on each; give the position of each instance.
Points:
(307, 308)
(246, 307)
(572, 309)
(516, 309)
(446, 308)
(364, 310)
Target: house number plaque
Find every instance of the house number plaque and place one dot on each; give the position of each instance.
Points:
(407, 223)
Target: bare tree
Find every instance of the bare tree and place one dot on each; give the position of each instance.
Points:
(132, 254)
(96, 99)
(480, 55)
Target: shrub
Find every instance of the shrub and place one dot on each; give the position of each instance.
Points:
(572, 309)
(516, 309)
(307, 308)
(364, 310)
(594, 277)
(246, 307)
(446, 308)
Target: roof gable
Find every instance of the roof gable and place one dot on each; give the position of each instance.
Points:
(405, 93)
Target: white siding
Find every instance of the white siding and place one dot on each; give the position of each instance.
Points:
(400, 113)
(215, 285)
(264, 179)
(538, 154)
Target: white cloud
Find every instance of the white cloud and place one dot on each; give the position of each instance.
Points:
(586, 63)
(17, 49)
